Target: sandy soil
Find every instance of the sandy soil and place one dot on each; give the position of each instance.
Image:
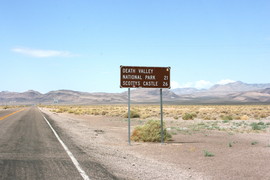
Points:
(105, 139)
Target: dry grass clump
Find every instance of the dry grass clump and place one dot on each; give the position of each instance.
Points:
(150, 132)
(133, 114)
(189, 116)
(244, 117)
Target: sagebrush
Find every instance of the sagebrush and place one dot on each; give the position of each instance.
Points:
(150, 132)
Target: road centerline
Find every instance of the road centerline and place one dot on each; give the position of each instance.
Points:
(73, 159)
(4, 117)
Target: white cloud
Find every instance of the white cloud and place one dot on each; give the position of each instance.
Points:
(188, 84)
(39, 53)
(175, 85)
(202, 84)
(225, 81)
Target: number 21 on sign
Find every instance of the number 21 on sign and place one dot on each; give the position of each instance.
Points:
(166, 78)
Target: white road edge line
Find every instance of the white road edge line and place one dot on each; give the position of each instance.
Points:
(73, 159)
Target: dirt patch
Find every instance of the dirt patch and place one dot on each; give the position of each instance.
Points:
(238, 153)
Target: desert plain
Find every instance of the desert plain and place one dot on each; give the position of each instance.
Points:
(208, 142)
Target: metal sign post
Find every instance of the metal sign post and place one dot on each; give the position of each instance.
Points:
(161, 117)
(129, 116)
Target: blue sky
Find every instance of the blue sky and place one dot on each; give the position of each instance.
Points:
(79, 45)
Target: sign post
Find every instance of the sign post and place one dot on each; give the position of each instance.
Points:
(161, 117)
(129, 116)
(145, 77)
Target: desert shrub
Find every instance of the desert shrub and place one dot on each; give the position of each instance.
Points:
(244, 117)
(70, 111)
(225, 112)
(133, 114)
(104, 113)
(144, 116)
(258, 126)
(6, 107)
(254, 142)
(207, 118)
(189, 116)
(150, 132)
(76, 112)
(60, 110)
(226, 117)
(208, 154)
(263, 116)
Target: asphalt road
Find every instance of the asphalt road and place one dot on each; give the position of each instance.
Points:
(30, 150)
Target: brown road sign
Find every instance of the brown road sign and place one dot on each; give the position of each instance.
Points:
(144, 77)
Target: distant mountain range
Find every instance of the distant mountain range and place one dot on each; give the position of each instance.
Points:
(232, 93)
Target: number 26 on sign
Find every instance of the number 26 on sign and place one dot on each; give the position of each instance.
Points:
(165, 84)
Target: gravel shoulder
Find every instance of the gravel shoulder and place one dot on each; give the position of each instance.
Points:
(105, 140)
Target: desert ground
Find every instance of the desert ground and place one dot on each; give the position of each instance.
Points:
(199, 148)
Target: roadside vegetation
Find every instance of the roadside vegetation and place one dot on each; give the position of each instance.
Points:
(185, 119)
(232, 126)
(185, 112)
(10, 106)
(208, 154)
(150, 132)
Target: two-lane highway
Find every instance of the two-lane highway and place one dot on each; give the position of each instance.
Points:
(29, 149)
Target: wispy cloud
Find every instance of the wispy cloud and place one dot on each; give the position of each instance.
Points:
(40, 53)
(175, 85)
(225, 81)
(201, 84)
